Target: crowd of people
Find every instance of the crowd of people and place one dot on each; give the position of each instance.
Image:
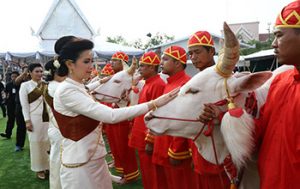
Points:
(65, 123)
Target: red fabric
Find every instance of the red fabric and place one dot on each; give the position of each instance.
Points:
(180, 175)
(150, 58)
(202, 38)
(290, 16)
(124, 154)
(161, 177)
(278, 131)
(176, 52)
(148, 170)
(152, 89)
(209, 176)
(236, 112)
(212, 182)
(107, 70)
(120, 56)
(181, 178)
(112, 136)
(176, 144)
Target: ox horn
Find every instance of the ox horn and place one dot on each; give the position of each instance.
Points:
(229, 55)
(133, 66)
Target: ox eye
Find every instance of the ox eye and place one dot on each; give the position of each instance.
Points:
(192, 91)
(117, 81)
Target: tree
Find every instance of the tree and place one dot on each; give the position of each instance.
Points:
(157, 39)
(258, 46)
(138, 44)
(118, 40)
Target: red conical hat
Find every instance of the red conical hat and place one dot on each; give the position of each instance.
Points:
(107, 70)
(289, 16)
(202, 38)
(150, 58)
(120, 56)
(177, 52)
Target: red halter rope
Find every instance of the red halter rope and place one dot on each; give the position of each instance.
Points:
(219, 103)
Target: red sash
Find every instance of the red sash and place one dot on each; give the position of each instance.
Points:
(75, 128)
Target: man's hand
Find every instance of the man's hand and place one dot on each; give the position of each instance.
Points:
(149, 148)
(210, 112)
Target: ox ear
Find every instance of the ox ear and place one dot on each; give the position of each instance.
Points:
(250, 82)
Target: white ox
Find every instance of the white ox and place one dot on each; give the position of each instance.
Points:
(208, 86)
(114, 90)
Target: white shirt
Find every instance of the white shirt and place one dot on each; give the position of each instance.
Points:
(35, 107)
(72, 99)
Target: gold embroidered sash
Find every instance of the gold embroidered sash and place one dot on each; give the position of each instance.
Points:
(35, 94)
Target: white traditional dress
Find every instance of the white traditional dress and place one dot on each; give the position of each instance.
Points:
(55, 139)
(83, 162)
(38, 138)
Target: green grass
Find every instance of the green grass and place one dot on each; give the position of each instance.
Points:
(15, 170)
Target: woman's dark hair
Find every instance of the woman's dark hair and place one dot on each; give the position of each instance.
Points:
(71, 51)
(49, 66)
(62, 41)
(51, 70)
(34, 65)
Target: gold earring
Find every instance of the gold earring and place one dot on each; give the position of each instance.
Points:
(71, 71)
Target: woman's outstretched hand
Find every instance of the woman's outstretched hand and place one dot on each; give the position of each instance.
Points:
(164, 99)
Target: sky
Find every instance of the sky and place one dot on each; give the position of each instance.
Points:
(133, 19)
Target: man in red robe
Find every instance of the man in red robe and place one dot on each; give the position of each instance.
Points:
(201, 52)
(171, 154)
(278, 127)
(153, 88)
(117, 134)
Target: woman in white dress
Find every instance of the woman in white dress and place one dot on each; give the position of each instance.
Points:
(78, 116)
(36, 118)
(54, 78)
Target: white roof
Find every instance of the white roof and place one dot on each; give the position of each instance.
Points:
(52, 9)
(260, 54)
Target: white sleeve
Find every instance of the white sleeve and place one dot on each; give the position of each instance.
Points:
(23, 94)
(77, 102)
(93, 85)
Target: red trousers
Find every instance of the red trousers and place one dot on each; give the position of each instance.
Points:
(213, 181)
(148, 170)
(124, 156)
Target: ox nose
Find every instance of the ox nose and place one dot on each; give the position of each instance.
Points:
(148, 116)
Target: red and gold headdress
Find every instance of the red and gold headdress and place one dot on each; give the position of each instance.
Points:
(202, 38)
(177, 53)
(120, 56)
(107, 70)
(289, 16)
(150, 58)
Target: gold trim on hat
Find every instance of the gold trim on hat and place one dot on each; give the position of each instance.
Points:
(175, 57)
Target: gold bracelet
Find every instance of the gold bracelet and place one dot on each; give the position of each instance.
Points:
(154, 105)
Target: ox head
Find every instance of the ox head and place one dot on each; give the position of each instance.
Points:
(113, 90)
(207, 86)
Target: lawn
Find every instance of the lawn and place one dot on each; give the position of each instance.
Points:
(15, 170)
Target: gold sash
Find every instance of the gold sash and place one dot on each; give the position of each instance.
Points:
(35, 94)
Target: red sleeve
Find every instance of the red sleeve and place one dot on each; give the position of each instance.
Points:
(179, 148)
(156, 91)
(259, 127)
